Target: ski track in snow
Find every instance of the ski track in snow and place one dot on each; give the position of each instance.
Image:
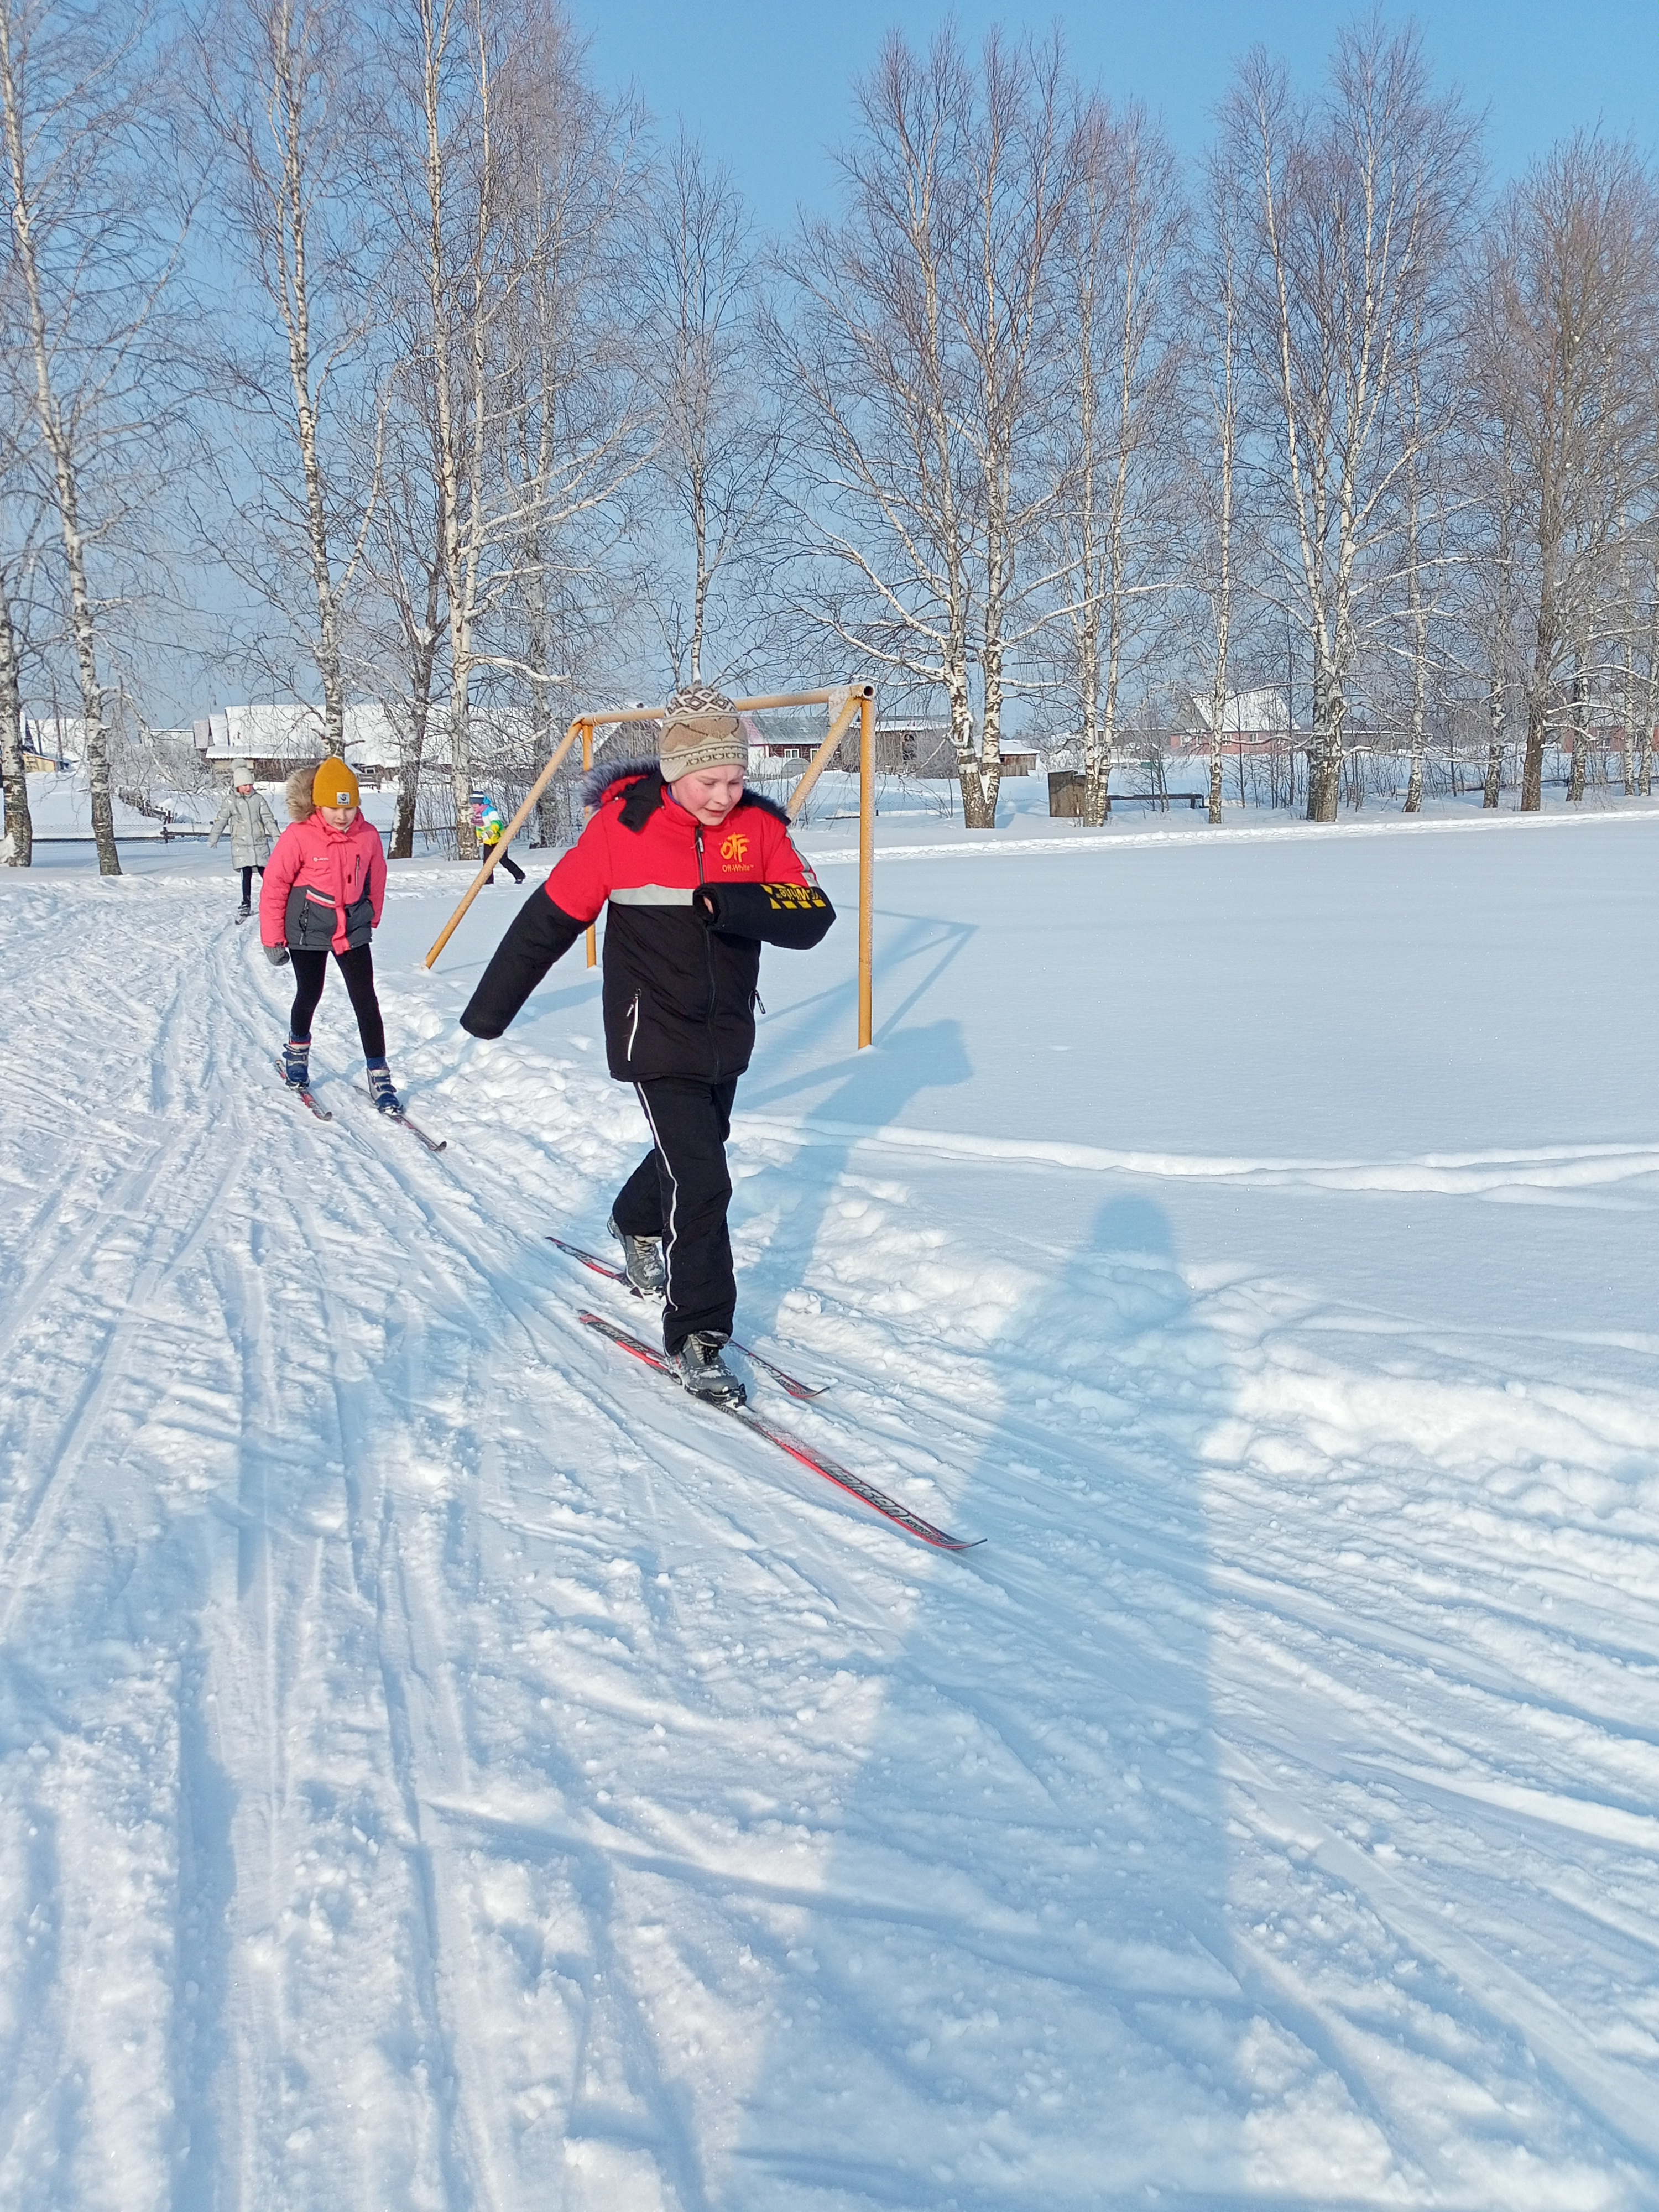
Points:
(439, 1768)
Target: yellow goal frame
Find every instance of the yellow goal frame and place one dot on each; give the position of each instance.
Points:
(844, 701)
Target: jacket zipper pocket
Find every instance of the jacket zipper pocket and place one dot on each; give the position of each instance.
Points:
(633, 1025)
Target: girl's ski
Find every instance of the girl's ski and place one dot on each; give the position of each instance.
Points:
(901, 1516)
(305, 1097)
(431, 1144)
(792, 1383)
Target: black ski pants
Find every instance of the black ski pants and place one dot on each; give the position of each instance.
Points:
(358, 966)
(503, 860)
(680, 1192)
(247, 884)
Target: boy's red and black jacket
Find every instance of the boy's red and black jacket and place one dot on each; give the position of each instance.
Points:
(689, 910)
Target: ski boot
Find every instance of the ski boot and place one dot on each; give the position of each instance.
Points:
(381, 1088)
(642, 1262)
(705, 1374)
(244, 912)
(296, 1063)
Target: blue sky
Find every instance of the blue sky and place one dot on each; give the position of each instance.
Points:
(767, 83)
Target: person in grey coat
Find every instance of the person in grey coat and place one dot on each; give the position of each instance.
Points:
(252, 831)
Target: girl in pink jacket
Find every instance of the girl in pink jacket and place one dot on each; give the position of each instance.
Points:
(324, 888)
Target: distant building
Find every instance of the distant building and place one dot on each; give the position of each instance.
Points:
(280, 736)
(903, 747)
(1254, 721)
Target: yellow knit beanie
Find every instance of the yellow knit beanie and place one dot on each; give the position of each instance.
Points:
(334, 785)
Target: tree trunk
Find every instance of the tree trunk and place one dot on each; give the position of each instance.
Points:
(1219, 690)
(409, 778)
(1538, 715)
(19, 823)
(1325, 746)
(979, 806)
(91, 697)
(1532, 767)
(1627, 734)
(460, 772)
(1575, 779)
(1215, 774)
(59, 445)
(1492, 788)
(980, 784)
(1420, 616)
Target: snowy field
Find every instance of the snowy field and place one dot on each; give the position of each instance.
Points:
(441, 1767)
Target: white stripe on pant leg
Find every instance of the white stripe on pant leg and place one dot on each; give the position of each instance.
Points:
(673, 1197)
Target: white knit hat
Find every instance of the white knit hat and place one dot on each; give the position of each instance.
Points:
(242, 771)
(701, 729)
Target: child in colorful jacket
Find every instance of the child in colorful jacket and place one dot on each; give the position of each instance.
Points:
(324, 888)
(487, 824)
(699, 872)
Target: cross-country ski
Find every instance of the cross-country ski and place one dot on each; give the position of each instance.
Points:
(303, 1093)
(819, 1462)
(791, 1383)
(404, 1120)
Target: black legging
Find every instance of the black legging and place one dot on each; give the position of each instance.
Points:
(358, 966)
(247, 884)
(503, 861)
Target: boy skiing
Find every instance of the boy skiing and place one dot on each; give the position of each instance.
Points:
(323, 891)
(699, 872)
(253, 829)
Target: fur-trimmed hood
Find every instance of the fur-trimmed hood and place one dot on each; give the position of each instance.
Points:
(301, 805)
(601, 779)
(605, 776)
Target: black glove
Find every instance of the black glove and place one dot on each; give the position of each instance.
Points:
(792, 915)
(276, 954)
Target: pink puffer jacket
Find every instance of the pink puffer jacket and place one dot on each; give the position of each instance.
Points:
(323, 888)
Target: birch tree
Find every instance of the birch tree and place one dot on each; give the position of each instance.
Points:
(716, 454)
(90, 252)
(404, 621)
(578, 385)
(1421, 567)
(509, 212)
(920, 356)
(1496, 501)
(1115, 516)
(1357, 208)
(19, 821)
(23, 506)
(1569, 322)
(1212, 318)
(286, 111)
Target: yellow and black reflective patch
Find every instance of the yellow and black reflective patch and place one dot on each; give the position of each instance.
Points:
(795, 898)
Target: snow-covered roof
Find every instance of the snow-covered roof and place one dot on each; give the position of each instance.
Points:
(1246, 710)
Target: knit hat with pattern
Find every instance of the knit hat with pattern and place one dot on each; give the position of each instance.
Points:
(701, 729)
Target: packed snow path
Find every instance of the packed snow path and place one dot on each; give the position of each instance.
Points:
(441, 1767)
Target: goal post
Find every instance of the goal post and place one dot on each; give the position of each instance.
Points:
(844, 701)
